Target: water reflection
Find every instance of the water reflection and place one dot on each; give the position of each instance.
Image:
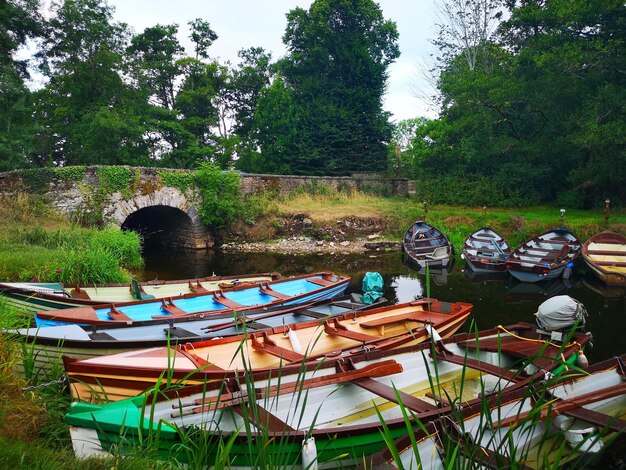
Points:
(534, 291)
(497, 301)
(438, 274)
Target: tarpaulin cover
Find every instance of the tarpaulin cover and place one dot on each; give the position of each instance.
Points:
(372, 287)
(560, 312)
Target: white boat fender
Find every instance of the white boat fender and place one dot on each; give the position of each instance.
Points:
(581, 360)
(309, 454)
(432, 333)
(295, 342)
(578, 436)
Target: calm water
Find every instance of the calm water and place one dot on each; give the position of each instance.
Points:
(496, 301)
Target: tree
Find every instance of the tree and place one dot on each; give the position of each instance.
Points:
(19, 21)
(339, 51)
(248, 80)
(87, 114)
(401, 146)
(202, 37)
(275, 131)
(154, 55)
(464, 29)
(531, 111)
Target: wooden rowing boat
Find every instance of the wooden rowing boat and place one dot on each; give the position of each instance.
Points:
(546, 256)
(524, 428)
(324, 412)
(35, 296)
(284, 291)
(424, 245)
(605, 255)
(122, 375)
(485, 251)
(47, 345)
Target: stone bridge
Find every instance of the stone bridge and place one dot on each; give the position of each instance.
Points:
(147, 201)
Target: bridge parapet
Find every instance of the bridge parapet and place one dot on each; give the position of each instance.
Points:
(130, 197)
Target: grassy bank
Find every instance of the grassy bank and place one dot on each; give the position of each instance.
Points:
(38, 244)
(396, 214)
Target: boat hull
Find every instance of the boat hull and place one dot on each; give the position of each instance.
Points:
(36, 297)
(526, 276)
(485, 251)
(605, 256)
(48, 345)
(544, 257)
(575, 414)
(425, 245)
(289, 291)
(125, 375)
(342, 415)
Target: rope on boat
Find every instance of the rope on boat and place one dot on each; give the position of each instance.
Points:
(573, 343)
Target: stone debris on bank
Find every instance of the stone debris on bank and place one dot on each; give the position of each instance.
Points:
(307, 245)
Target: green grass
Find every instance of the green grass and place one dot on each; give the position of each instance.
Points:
(516, 224)
(38, 245)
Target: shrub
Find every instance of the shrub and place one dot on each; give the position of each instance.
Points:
(221, 196)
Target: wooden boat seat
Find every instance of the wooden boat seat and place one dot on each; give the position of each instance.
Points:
(574, 407)
(79, 293)
(419, 317)
(270, 347)
(597, 418)
(607, 252)
(542, 354)
(394, 395)
(178, 332)
(266, 289)
(334, 328)
(488, 235)
(116, 314)
(168, 306)
(319, 281)
(235, 396)
(480, 366)
(532, 248)
(617, 264)
(417, 239)
(73, 315)
(197, 288)
(221, 299)
(263, 419)
(554, 240)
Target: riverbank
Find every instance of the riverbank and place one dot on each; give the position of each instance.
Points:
(305, 245)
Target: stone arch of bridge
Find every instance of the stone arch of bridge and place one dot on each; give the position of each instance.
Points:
(165, 219)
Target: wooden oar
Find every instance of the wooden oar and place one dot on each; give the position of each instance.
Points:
(246, 317)
(562, 406)
(379, 369)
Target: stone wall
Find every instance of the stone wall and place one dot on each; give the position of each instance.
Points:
(147, 202)
(284, 184)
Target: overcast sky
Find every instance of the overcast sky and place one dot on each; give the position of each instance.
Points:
(246, 23)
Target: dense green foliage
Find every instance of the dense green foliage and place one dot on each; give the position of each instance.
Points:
(531, 98)
(221, 195)
(538, 113)
(330, 99)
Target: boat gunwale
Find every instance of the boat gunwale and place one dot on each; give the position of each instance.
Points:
(164, 319)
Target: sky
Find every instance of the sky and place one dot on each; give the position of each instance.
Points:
(261, 23)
